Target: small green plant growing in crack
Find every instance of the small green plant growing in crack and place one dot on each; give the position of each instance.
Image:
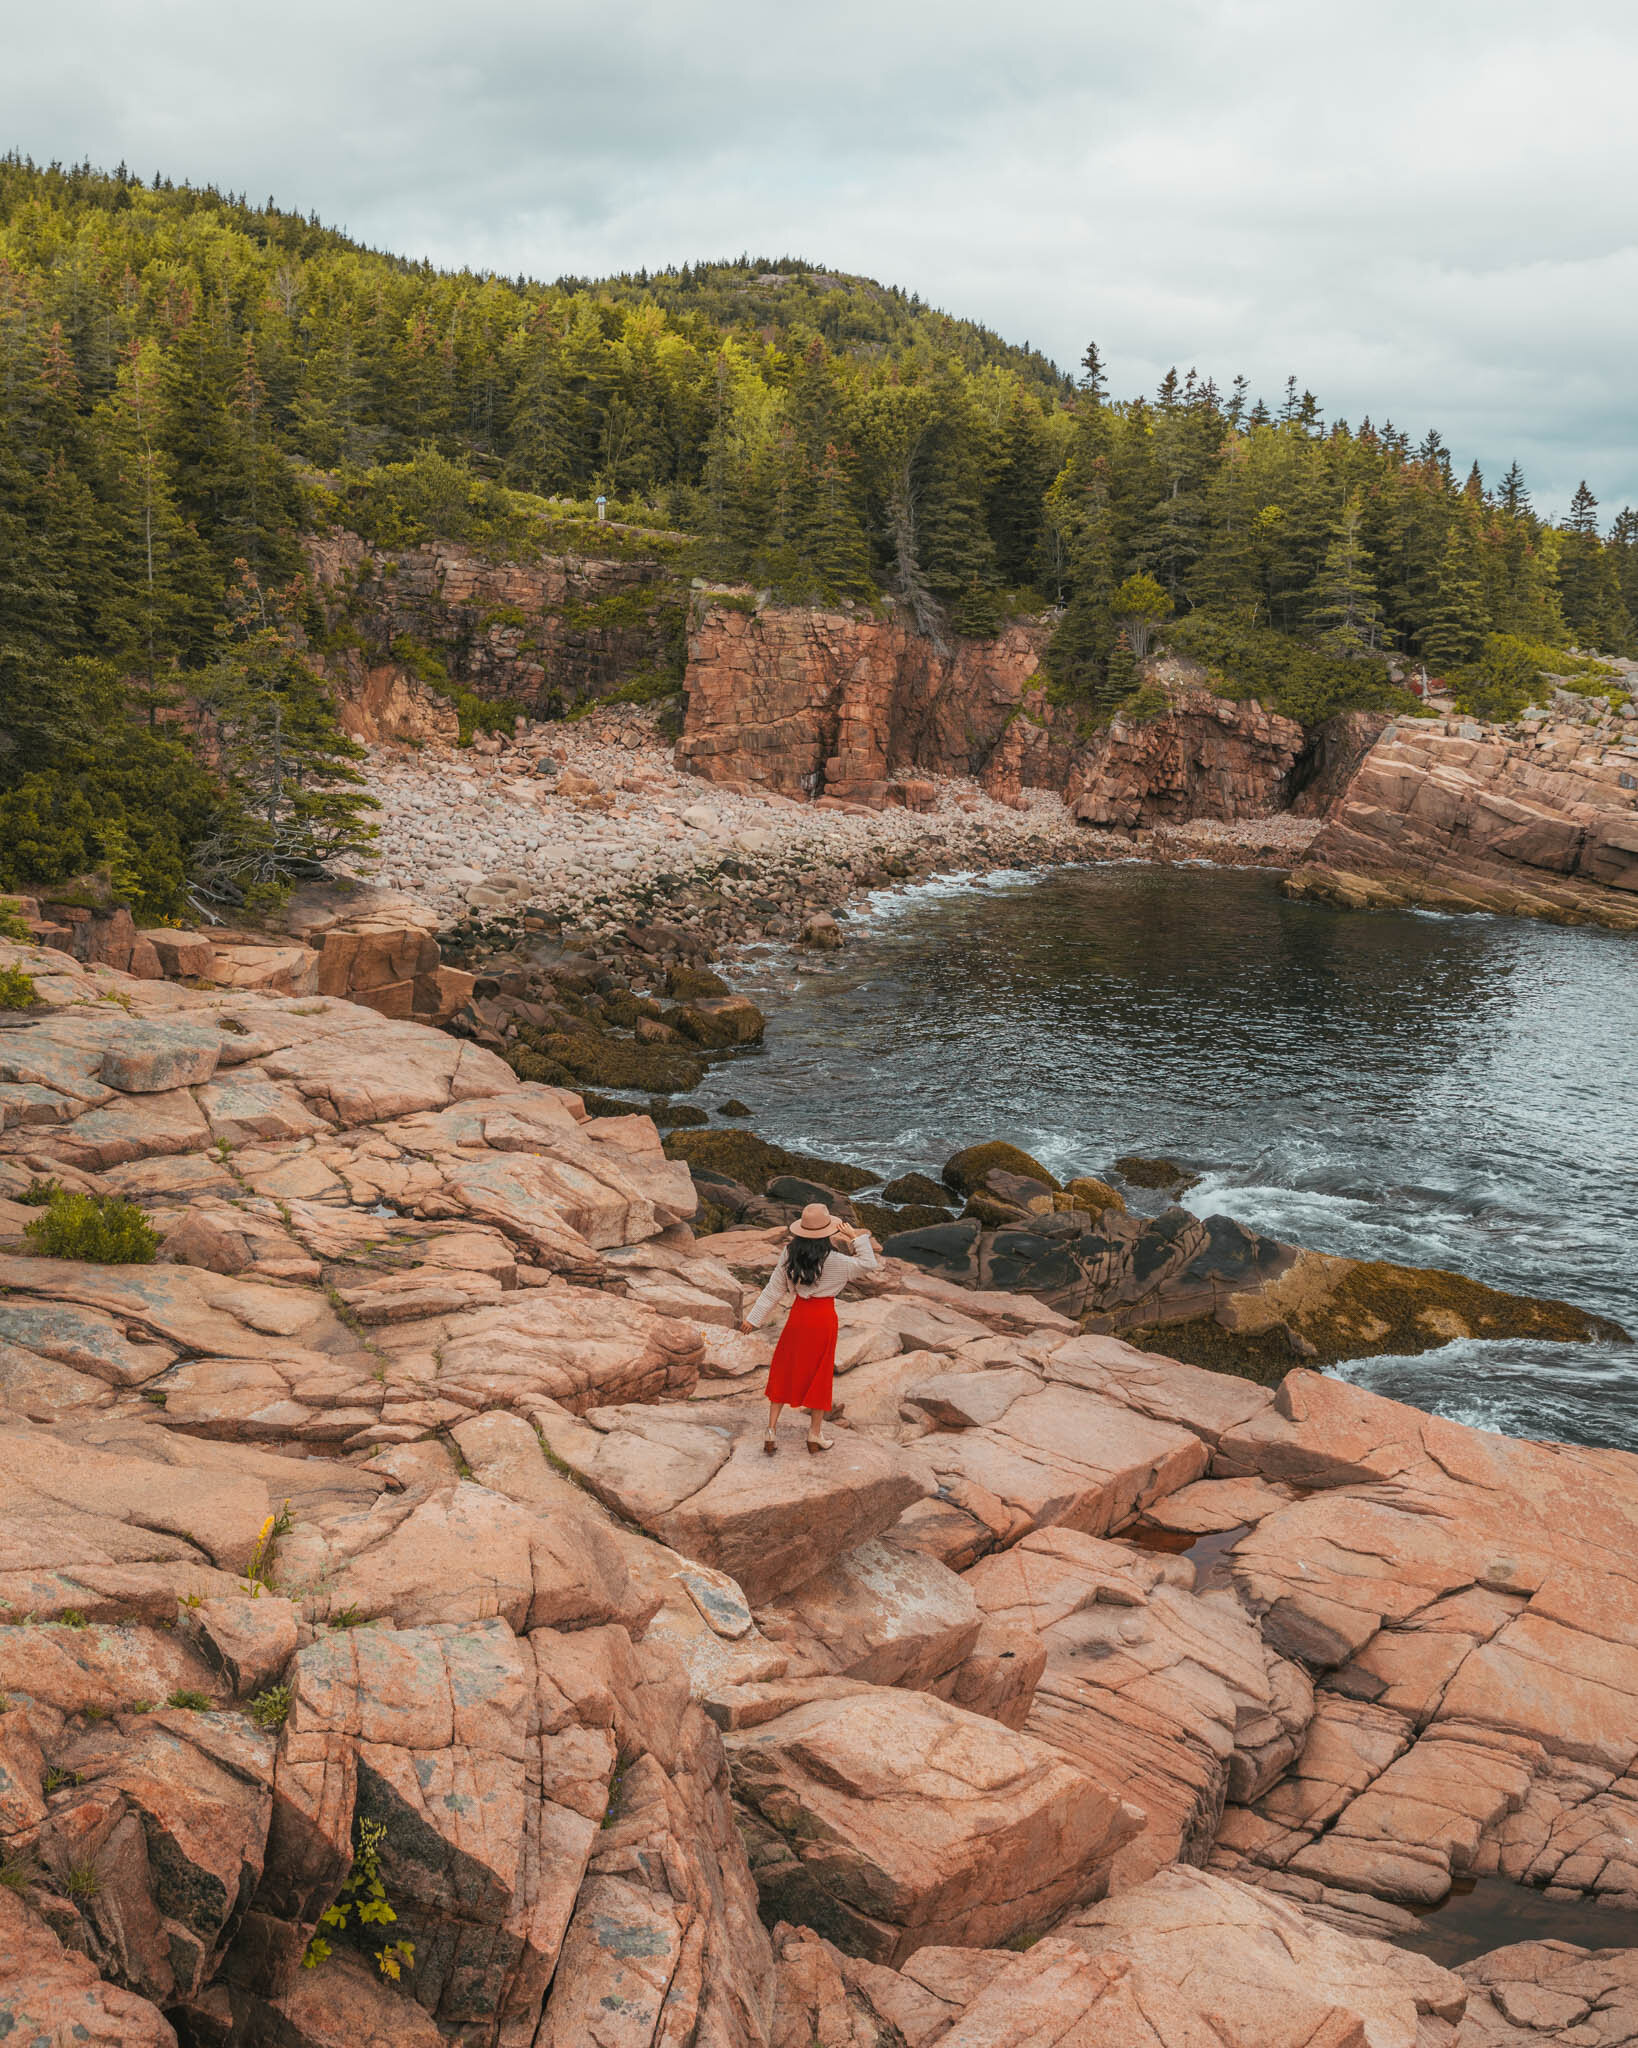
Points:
(18, 1872)
(190, 1700)
(347, 1617)
(271, 1707)
(361, 1905)
(82, 1881)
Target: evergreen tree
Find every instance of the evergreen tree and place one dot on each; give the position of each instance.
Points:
(295, 798)
(1515, 497)
(1457, 624)
(1345, 610)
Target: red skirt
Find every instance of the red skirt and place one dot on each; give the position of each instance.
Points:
(804, 1359)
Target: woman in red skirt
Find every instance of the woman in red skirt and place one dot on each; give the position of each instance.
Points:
(809, 1276)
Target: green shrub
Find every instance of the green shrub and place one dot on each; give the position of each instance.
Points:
(1510, 672)
(39, 1192)
(11, 922)
(476, 714)
(17, 989)
(1284, 675)
(1143, 706)
(103, 1230)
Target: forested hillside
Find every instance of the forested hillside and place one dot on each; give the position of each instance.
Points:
(186, 380)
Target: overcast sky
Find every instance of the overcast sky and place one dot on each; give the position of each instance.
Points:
(1424, 208)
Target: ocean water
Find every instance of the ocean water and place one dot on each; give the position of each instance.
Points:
(1444, 1091)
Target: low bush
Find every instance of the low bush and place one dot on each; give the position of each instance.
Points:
(102, 1230)
(1510, 674)
(1281, 673)
(17, 989)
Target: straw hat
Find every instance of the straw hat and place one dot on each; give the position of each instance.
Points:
(817, 1221)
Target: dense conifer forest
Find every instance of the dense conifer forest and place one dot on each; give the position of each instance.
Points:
(188, 381)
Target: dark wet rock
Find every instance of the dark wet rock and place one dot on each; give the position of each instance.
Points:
(949, 1249)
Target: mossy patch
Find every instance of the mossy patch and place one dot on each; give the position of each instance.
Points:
(916, 1188)
(966, 1170)
(753, 1162)
(1094, 1196)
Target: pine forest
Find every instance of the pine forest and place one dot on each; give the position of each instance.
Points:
(189, 383)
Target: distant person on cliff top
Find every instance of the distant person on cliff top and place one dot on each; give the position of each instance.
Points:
(810, 1275)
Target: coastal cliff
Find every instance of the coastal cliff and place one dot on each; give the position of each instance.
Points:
(1540, 821)
(857, 708)
(809, 703)
(539, 633)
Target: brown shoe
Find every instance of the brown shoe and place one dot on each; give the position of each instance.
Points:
(770, 1445)
(816, 1444)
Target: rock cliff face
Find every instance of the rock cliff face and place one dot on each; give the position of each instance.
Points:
(1204, 757)
(818, 703)
(546, 634)
(1543, 822)
(812, 703)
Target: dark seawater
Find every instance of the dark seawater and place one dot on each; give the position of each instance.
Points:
(1444, 1091)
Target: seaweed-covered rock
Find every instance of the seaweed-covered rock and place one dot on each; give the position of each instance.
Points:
(718, 1022)
(614, 1063)
(916, 1189)
(743, 1156)
(968, 1169)
(1163, 1174)
(791, 1188)
(1094, 1196)
(886, 1222)
(687, 984)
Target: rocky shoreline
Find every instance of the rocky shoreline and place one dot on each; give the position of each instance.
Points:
(403, 1536)
(583, 831)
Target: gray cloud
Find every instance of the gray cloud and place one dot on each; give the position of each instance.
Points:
(1424, 211)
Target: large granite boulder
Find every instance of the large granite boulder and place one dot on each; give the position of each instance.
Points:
(700, 1482)
(890, 1820)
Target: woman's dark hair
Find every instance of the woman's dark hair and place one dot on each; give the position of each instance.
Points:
(805, 1259)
